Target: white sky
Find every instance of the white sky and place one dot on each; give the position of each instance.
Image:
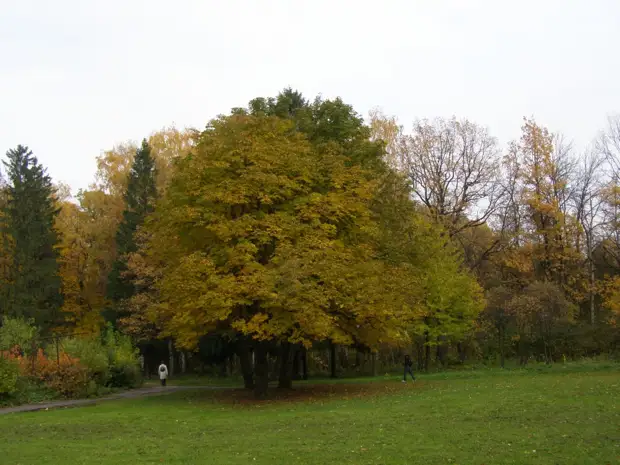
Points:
(78, 76)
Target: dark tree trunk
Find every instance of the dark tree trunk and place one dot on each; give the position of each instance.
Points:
(274, 372)
(332, 359)
(344, 358)
(304, 363)
(442, 349)
(420, 352)
(547, 351)
(245, 360)
(286, 380)
(523, 352)
(296, 355)
(170, 357)
(374, 364)
(440, 354)
(427, 353)
(462, 352)
(183, 362)
(261, 370)
(223, 368)
(502, 356)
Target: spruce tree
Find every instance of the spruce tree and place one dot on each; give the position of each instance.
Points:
(33, 287)
(139, 202)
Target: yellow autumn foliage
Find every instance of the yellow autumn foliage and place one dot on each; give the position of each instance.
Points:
(263, 233)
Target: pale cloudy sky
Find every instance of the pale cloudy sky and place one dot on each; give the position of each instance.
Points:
(78, 76)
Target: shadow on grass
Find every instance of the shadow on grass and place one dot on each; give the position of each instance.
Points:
(307, 393)
(321, 389)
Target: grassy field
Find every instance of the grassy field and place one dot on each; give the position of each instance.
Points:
(547, 416)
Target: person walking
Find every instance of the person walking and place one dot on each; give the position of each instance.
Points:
(408, 365)
(163, 373)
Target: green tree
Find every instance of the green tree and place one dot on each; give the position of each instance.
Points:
(265, 234)
(139, 202)
(326, 124)
(17, 332)
(33, 288)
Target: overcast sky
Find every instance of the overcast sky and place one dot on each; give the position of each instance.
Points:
(78, 76)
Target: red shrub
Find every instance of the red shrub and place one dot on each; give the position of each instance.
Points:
(65, 375)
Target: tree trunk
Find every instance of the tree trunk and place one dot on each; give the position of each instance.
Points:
(171, 357)
(285, 381)
(548, 354)
(245, 360)
(344, 358)
(501, 347)
(420, 352)
(332, 359)
(592, 282)
(374, 364)
(223, 368)
(442, 350)
(524, 353)
(296, 360)
(427, 353)
(304, 363)
(57, 352)
(462, 352)
(274, 372)
(261, 370)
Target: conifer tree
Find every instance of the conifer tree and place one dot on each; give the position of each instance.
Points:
(139, 200)
(33, 287)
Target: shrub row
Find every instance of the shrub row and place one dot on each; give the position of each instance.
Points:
(77, 367)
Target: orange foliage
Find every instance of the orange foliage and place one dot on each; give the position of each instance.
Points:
(67, 375)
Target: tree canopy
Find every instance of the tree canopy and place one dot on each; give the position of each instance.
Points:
(33, 287)
(293, 224)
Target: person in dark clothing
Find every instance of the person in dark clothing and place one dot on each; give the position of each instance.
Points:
(408, 365)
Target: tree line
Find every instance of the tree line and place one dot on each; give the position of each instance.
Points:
(291, 224)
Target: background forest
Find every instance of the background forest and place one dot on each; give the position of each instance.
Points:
(293, 233)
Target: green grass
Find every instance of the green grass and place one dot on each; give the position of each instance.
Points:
(557, 415)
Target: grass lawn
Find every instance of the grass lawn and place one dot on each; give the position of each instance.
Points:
(477, 417)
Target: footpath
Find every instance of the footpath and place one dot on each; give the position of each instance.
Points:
(132, 394)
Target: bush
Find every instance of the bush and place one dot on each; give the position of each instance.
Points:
(123, 360)
(79, 367)
(92, 355)
(111, 361)
(66, 375)
(125, 375)
(29, 391)
(9, 373)
(17, 332)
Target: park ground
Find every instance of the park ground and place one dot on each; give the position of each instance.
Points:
(566, 414)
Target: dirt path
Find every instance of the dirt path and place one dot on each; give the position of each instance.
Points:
(134, 393)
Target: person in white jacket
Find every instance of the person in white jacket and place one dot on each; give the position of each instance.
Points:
(163, 373)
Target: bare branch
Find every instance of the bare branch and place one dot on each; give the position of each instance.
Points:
(454, 171)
